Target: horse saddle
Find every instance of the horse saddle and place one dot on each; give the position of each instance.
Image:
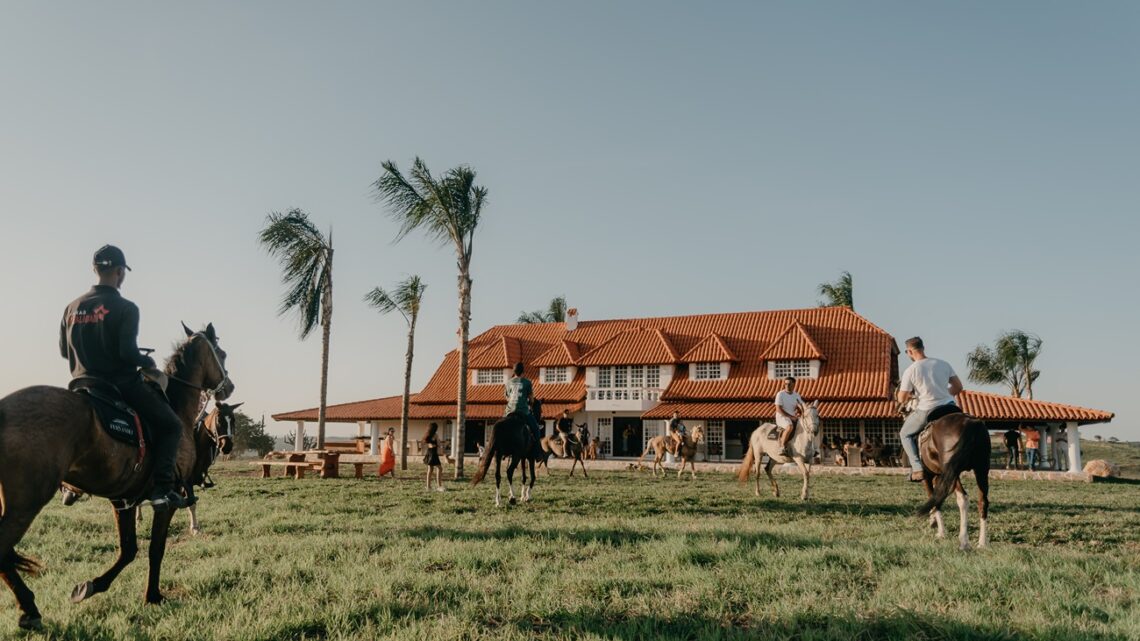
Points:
(118, 419)
(774, 435)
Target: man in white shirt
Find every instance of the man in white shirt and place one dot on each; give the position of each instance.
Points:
(934, 384)
(788, 404)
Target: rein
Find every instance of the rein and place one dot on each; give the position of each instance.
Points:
(210, 393)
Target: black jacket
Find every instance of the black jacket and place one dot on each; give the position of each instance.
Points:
(99, 336)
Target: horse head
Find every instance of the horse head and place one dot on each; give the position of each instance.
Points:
(202, 363)
(809, 419)
(223, 425)
(698, 434)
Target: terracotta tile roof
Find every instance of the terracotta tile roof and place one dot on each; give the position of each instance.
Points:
(994, 407)
(373, 409)
(711, 349)
(389, 409)
(794, 344)
(638, 346)
(564, 353)
(501, 354)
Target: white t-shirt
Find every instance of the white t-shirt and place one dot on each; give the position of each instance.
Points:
(788, 402)
(929, 381)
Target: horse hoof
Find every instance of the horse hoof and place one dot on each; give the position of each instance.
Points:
(195, 531)
(83, 591)
(512, 500)
(154, 599)
(31, 622)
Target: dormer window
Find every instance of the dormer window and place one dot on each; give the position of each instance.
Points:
(555, 374)
(710, 371)
(798, 369)
(489, 377)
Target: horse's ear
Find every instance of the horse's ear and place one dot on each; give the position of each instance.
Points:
(234, 407)
(210, 332)
(186, 329)
(815, 404)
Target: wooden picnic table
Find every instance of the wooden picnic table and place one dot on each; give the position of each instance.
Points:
(326, 463)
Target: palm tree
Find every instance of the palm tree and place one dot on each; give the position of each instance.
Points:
(1009, 362)
(306, 256)
(448, 210)
(841, 293)
(406, 299)
(555, 313)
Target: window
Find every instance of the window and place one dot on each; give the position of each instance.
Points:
(798, 369)
(604, 429)
(554, 375)
(652, 376)
(636, 376)
(488, 376)
(707, 371)
(605, 376)
(621, 376)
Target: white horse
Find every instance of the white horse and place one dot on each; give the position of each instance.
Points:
(804, 445)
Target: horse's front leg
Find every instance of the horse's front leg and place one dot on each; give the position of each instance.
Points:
(963, 518)
(771, 479)
(805, 471)
(498, 481)
(128, 549)
(936, 513)
(511, 480)
(982, 478)
(527, 487)
(195, 526)
(158, 533)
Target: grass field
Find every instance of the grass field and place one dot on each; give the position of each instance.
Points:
(621, 556)
(1126, 455)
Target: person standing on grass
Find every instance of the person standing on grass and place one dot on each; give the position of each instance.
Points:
(387, 454)
(1012, 440)
(431, 457)
(1032, 446)
(1060, 449)
(935, 385)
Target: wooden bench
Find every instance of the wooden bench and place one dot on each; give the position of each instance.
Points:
(295, 469)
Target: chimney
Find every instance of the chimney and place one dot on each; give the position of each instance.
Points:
(572, 319)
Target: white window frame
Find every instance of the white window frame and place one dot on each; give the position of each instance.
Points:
(490, 377)
(653, 376)
(559, 374)
(708, 372)
(605, 376)
(798, 369)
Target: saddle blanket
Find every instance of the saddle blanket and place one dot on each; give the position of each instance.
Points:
(119, 421)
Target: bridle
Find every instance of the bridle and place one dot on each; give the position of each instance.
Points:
(210, 393)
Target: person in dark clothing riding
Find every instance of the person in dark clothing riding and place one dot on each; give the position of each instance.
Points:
(520, 393)
(565, 428)
(98, 336)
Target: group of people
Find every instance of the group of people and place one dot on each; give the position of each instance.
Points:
(1032, 447)
(522, 402)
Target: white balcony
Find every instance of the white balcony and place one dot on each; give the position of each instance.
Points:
(622, 399)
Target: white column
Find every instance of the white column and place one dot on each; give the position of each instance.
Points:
(1075, 464)
(374, 444)
(360, 428)
(1042, 447)
(299, 444)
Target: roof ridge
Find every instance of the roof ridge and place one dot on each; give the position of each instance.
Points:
(792, 328)
(720, 343)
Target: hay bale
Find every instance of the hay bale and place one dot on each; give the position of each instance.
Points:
(1102, 468)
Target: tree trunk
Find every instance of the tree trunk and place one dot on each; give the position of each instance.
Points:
(326, 333)
(461, 403)
(407, 394)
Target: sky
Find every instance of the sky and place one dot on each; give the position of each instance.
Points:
(974, 165)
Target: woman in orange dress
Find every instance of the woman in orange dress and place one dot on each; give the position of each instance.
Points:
(387, 455)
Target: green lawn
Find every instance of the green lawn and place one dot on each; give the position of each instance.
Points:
(620, 556)
(1126, 455)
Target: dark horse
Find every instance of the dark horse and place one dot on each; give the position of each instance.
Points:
(50, 436)
(510, 437)
(951, 445)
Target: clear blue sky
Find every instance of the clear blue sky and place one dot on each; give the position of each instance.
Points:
(974, 165)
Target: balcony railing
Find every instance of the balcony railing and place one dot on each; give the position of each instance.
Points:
(624, 394)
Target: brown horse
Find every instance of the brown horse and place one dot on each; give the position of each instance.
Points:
(949, 446)
(213, 436)
(555, 447)
(510, 437)
(660, 445)
(50, 436)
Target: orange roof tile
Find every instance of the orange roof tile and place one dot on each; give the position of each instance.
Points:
(563, 353)
(994, 407)
(389, 409)
(766, 411)
(794, 344)
(503, 353)
(637, 346)
(711, 349)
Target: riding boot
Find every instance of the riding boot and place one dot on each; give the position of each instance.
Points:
(165, 455)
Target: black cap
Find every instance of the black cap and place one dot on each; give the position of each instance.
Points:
(110, 256)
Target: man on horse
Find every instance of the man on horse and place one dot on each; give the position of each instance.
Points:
(99, 337)
(788, 404)
(677, 432)
(935, 385)
(565, 429)
(519, 392)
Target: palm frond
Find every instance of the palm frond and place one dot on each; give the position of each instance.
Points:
(406, 298)
(305, 256)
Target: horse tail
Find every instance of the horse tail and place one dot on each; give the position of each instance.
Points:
(975, 437)
(488, 452)
(641, 459)
(746, 466)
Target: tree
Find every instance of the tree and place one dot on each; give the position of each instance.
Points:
(448, 211)
(306, 258)
(555, 313)
(249, 435)
(841, 293)
(309, 443)
(406, 299)
(1009, 362)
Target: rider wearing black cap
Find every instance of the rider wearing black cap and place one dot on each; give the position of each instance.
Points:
(98, 336)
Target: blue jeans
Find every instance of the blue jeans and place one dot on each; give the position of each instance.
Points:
(909, 437)
(1031, 457)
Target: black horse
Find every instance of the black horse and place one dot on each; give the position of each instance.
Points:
(510, 437)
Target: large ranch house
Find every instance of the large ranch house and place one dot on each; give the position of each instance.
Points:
(624, 378)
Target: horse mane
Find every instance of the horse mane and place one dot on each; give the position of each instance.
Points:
(177, 359)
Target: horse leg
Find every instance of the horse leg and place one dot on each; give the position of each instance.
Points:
(757, 470)
(982, 477)
(583, 462)
(12, 528)
(771, 479)
(936, 513)
(963, 509)
(805, 471)
(128, 549)
(498, 480)
(511, 480)
(195, 526)
(527, 487)
(159, 530)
